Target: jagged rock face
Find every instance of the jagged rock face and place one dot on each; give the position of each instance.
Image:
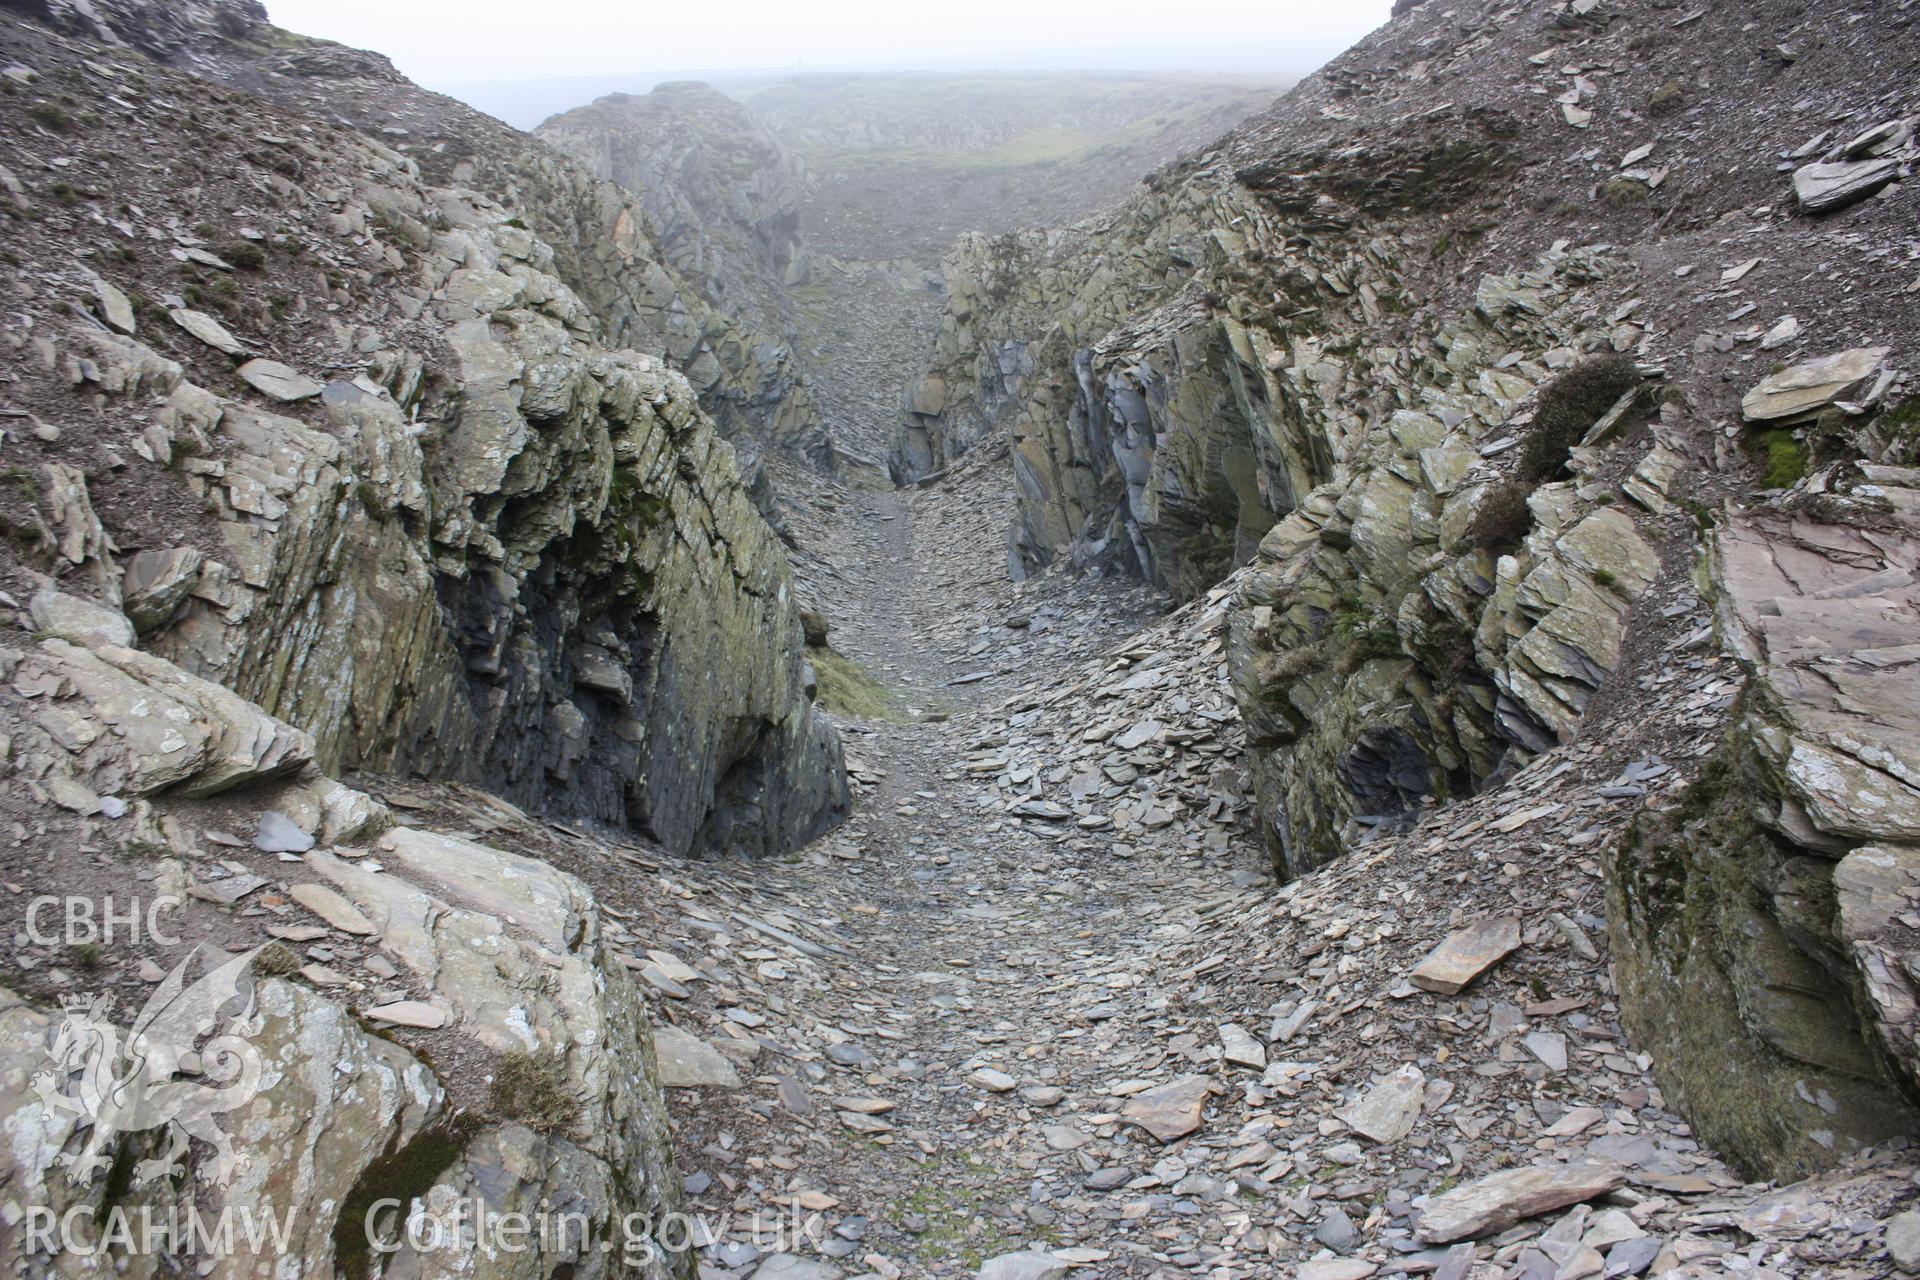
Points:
(1765, 925)
(1385, 657)
(495, 548)
(690, 192)
(724, 195)
(1262, 420)
(607, 251)
(311, 1120)
(571, 574)
(376, 489)
(606, 245)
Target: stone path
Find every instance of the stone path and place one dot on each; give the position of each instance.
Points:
(1040, 1000)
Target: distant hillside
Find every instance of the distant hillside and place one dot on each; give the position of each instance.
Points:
(907, 162)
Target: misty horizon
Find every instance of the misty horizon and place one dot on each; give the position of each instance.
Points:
(525, 104)
(565, 60)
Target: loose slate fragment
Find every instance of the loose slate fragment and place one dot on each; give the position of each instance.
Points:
(1386, 1112)
(282, 382)
(208, 330)
(1030, 1265)
(1335, 1269)
(332, 908)
(226, 892)
(1238, 1046)
(1464, 956)
(1170, 1112)
(1812, 385)
(409, 1013)
(115, 308)
(1828, 188)
(993, 1081)
(687, 1061)
(860, 1123)
(278, 833)
(1499, 1200)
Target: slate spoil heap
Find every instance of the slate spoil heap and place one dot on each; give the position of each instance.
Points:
(1380, 737)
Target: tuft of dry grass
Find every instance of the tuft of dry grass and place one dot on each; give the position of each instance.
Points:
(846, 689)
(532, 1088)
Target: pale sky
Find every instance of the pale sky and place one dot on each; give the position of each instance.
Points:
(447, 44)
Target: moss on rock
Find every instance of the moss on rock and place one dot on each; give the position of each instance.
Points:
(1753, 1036)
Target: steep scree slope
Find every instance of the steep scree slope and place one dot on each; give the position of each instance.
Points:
(607, 247)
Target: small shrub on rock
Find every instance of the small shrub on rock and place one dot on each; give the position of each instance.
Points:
(1447, 648)
(1624, 193)
(1276, 670)
(276, 960)
(49, 116)
(1504, 519)
(1668, 98)
(244, 254)
(1568, 407)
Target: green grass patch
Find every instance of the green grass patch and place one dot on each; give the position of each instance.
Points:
(1786, 459)
(846, 689)
(952, 1201)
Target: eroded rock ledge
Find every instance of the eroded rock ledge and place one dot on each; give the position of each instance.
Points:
(335, 1102)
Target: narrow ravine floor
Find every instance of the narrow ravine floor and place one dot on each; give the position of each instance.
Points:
(948, 1031)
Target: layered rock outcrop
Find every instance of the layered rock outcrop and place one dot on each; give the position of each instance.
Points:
(1262, 397)
(1392, 650)
(608, 246)
(722, 203)
(748, 381)
(724, 194)
(488, 544)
